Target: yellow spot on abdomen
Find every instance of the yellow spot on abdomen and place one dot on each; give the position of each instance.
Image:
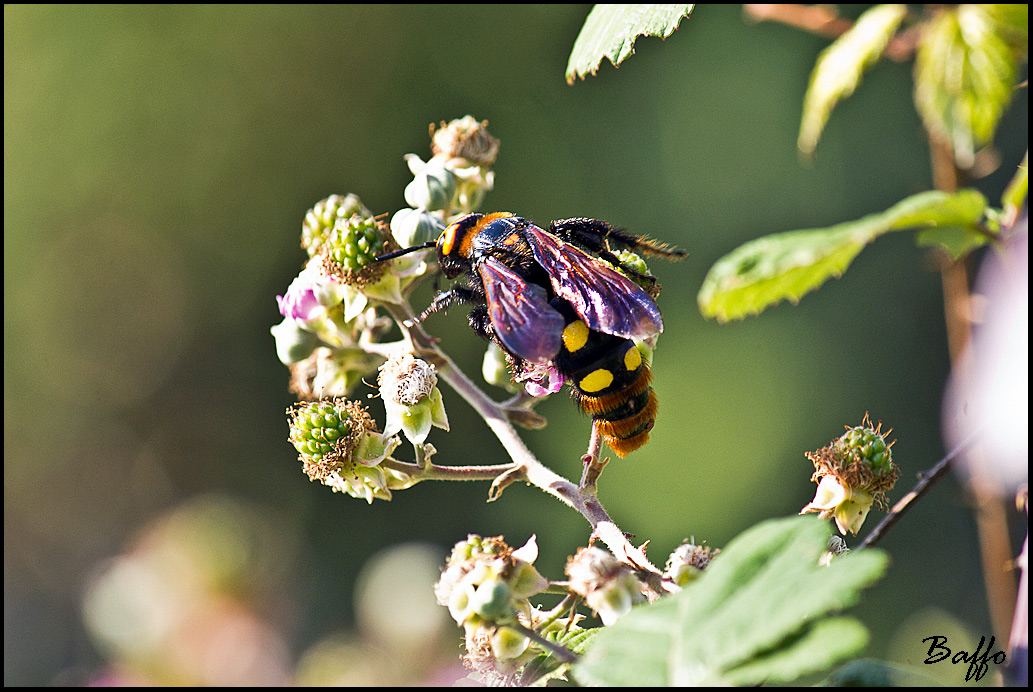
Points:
(596, 381)
(575, 335)
(632, 359)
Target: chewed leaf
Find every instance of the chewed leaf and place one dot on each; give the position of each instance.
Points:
(610, 32)
(786, 266)
(838, 69)
(760, 612)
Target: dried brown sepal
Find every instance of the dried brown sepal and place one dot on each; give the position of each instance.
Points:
(467, 139)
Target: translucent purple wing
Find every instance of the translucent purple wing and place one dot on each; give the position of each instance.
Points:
(524, 321)
(605, 299)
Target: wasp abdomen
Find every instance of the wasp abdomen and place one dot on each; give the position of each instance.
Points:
(610, 382)
(561, 300)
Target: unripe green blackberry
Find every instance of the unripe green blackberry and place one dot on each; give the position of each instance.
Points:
(865, 445)
(319, 429)
(351, 247)
(340, 447)
(853, 472)
(321, 219)
(632, 260)
(636, 263)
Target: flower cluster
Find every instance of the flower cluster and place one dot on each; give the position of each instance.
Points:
(609, 587)
(453, 182)
(329, 311)
(687, 563)
(485, 586)
(853, 472)
(338, 311)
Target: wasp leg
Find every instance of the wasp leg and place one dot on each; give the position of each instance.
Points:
(593, 234)
(480, 322)
(453, 296)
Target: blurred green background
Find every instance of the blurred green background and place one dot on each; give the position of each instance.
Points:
(158, 162)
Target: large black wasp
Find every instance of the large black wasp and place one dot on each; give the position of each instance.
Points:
(555, 300)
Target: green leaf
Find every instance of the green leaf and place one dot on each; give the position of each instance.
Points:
(871, 673)
(1012, 22)
(610, 32)
(545, 667)
(765, 271)
(838, 69)
(759, 613)
(954, 240)
(1015, 192)
(966, 68)
(815, 650)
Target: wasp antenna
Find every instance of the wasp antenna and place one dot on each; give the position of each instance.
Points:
(405, 251)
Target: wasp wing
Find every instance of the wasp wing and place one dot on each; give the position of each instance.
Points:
(605, 299)
(524, 321)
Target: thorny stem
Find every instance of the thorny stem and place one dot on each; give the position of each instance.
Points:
(990, 515)
(431, 472)
(926, 481)
(593, 466)
(421, 456)
(558, 587)
(567, 606)
(525, 466)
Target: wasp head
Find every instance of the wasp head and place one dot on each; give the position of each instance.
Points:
(453, 245)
